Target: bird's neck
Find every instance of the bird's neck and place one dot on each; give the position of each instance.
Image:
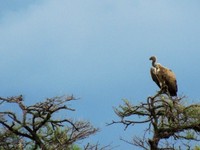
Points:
(154, 63)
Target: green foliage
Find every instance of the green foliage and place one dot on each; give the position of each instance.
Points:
(190, 135)
(76, 147)
(39, 128)
(197, 148)
(8, 140)
(166, 117)
(193, 111)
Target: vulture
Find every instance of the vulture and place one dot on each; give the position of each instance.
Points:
(163, 77)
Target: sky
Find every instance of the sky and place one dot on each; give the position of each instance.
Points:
(99, 52)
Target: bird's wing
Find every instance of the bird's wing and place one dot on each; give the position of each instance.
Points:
(154, 76)
(170, 80)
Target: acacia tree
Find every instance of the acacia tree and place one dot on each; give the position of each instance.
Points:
(36, 126)
(166, 117)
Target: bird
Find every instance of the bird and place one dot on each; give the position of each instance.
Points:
(163, 77)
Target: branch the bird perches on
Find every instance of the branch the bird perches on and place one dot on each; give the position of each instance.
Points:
(166, 118)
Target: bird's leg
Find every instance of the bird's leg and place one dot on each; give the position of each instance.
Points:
(165, 90)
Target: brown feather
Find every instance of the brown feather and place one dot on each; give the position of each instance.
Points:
(163, 76)
(168, 78)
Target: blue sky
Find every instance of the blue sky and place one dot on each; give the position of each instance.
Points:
(98, 51)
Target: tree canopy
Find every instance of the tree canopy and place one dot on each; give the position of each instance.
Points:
(36, 126)
(166, 118)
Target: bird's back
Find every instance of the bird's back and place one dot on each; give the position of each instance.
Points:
(169, 79)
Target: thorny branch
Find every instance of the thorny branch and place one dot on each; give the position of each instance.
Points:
(166, 117)
(37, 118)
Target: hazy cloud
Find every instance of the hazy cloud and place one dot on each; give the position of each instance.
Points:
(97, 50)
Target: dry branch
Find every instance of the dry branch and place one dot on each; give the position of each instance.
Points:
(166, 117)
(38, 124)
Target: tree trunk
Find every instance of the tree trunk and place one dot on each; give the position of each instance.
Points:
(154, 144)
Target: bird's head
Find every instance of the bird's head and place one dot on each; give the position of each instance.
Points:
(152, 58)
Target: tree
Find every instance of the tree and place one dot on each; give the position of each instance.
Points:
(9, 140)
(166, 117)
(37, 127)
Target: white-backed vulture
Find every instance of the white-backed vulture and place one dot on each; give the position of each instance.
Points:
(163, 76)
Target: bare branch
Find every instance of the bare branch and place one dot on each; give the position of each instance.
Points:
(166, 117)
(38, 124)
